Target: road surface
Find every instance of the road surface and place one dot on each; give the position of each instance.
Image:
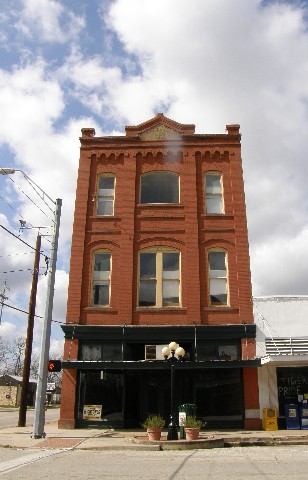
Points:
(9, 416)
(240, 463)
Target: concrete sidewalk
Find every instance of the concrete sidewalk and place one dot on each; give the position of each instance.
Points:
(105, 439)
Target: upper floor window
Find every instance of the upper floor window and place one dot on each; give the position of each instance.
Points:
(159, 187)
(218, 281)
(159, 278)
(213, 193)
(105, 195)
(101, 279)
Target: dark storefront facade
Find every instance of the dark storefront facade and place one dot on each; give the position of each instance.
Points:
(113, 374)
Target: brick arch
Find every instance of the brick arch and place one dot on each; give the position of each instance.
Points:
(105, 245)
(217, 243)
(171, 242)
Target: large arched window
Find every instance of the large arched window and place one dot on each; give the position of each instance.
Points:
(218, 277)
(159, 187)
(101, 276)
(159, 278)
(105, 195)
(213, 193)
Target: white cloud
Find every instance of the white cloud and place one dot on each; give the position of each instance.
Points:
(29, 102)
(8, 331)
(42, 19)
(232, 62)
(281, 265)
(216, 63)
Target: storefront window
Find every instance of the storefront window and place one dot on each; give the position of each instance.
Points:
(104, 352)
(291, 383)
(101, 393)
(215, 351)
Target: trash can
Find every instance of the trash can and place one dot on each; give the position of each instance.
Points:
(184, 410)
(292, 416)
(270, 419)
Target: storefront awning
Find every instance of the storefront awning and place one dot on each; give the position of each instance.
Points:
(157, 364)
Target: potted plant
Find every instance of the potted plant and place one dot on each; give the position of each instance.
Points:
(192, 427)
(154, 425)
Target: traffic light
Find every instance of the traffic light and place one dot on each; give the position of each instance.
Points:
(54, 366)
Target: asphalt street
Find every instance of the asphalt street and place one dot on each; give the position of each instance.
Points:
(274, 463)
(9, 416)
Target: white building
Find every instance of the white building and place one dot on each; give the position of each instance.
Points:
(282, 337)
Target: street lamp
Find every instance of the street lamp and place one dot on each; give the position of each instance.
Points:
(177, 353)
(39, 415)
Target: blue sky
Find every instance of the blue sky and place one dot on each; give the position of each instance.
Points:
(65, 65)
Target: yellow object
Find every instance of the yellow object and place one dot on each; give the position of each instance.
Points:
(270, 419)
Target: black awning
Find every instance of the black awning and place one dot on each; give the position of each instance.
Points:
(157, 364)
(158, 334)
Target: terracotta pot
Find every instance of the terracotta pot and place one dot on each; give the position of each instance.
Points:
(154, 433)
(192, 433)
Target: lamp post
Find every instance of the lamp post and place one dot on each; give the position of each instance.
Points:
(39, 415)
(177, 353)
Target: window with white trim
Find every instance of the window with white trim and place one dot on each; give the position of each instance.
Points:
(101, 279)
(213, 193)
(159, 187)
(218, 277)
(105, 195)
(159, 278)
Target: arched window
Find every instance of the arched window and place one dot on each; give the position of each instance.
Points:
(218, 277)
(213, 193)
(159, 278)
(101, 276)
(105, 195)
(159, 187)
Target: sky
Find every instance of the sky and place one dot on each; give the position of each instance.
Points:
(67, 64)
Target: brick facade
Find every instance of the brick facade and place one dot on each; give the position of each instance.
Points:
(159, 144)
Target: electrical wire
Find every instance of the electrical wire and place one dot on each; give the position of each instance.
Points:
(15, 211)
(18, 238)
(14, 254)
(29, 198)
(42, 198)
(27, 313)
(22, 270)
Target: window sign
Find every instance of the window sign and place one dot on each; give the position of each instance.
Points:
(291, 383)
(92, 412)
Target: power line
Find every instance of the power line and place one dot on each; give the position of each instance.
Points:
(14, 254)
(15, 211)
(21, 270)
(32, 186)
(18, 238)
(29, 198)
(27, 313)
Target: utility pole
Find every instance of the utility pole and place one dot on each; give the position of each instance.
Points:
(39, 414)
(29, 339)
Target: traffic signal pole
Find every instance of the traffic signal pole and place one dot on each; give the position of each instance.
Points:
(39, 414)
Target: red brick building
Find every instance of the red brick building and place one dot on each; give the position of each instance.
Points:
(160, 254)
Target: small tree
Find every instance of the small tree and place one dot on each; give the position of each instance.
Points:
(17, 353)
